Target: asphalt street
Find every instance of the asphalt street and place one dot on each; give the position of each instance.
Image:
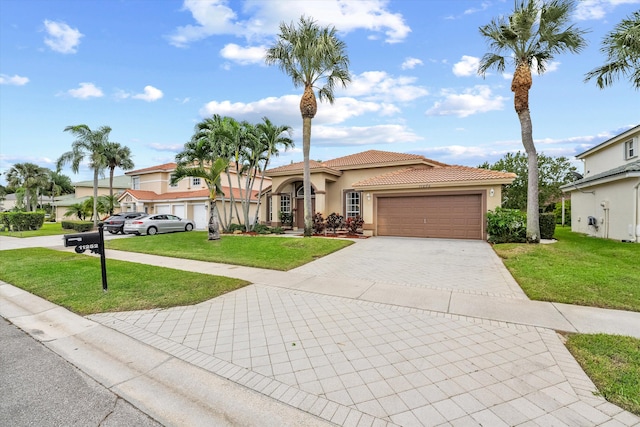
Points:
(39, 388)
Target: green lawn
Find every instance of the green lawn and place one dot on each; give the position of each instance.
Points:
(613, 364)
(272, 252)
(74, 281)
(48, 229)
(577, 269)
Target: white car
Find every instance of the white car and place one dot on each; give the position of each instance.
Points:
(158, 223)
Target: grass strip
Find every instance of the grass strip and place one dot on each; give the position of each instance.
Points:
(271, 252)
(75, 282)
(577, 269)
(613, 364)
(47, 229)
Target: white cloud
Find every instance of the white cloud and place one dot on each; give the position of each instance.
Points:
(483, 6)
(61, 37)
(244, 55)
(150, 94)
(86, 91)
(598, 9)
(365, 135)
(15, 80)
(173, 148)
(478, 99)
(410, 63)
(467, 66)
(379, 86)
(215, 17)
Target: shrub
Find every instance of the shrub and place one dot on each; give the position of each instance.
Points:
(21, 221)
(353, 224)
(567, 212)
(286, 218)
(318, 223)
(261, 229)
(507, 226)
(80, 226)
(547, 225)
(334, 221)
(277, 230)
(235, 227)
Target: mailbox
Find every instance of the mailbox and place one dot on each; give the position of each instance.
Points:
(84, 241)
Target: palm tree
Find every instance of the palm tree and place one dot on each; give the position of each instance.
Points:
(308, 54)
(210, 175)
(530, 37)
(622, 47)
(89, 144)
(116, 156)
(79, 210)
(28, 176)
(272, 137)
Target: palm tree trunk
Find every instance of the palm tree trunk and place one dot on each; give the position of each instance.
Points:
(214, 223)
(111, 170)
(533, 214)
(306, 177)
(266, 163)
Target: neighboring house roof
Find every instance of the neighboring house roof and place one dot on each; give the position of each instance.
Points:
(628, 170)
(120, 181)
(68, 200)
(624, 135)
(422, 175)
(166, 167)
(152, 196)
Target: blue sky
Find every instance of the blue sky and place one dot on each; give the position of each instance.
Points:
(152, 69)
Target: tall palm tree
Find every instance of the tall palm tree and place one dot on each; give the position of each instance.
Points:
(530, 37)
(89, 144)
(309, 54)
(211, 176)
(622, 47)
(28, 176)
(116, 156)
(272, 137)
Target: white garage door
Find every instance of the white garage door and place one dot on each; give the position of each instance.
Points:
(163, 209)
(178, 210)
(200, 216)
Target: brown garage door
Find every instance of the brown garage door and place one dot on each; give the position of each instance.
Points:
(447, 217)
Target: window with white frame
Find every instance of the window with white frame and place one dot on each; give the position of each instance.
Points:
(171, 184)
(631, 148)
(270, 208)
(352, 204)
(135, 182)
(195, 182)
(285, 203)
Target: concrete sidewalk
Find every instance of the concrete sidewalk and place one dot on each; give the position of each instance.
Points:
(367, 347)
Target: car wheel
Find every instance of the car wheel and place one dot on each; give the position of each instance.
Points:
(152, 230)
(113, 232)
(188, 227)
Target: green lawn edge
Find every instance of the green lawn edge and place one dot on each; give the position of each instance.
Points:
(74, 281)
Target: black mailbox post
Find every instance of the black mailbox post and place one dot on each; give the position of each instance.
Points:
(93, 242)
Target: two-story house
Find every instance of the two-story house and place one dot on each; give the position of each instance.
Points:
(396, 194)
(152, 192)
(605, 202)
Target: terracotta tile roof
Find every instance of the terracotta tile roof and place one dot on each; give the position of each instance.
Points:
(174, 195)
(294, 167)
(374, 157)
(423, 175)
(361, 160)
(158, 168)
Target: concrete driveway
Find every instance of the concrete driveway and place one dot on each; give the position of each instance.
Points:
(390, 331)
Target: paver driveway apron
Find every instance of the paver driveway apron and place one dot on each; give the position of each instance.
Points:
(355, 362)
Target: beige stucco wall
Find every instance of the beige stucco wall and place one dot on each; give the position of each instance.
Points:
(615, 223)
(609, 157)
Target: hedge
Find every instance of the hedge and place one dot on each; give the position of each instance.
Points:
(77, 225)
(547, 225)
(21, 221)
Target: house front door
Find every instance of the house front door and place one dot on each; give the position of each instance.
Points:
(299, 216)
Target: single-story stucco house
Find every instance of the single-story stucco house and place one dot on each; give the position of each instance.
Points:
(605, 202)
(84, 191)
(396, 194)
